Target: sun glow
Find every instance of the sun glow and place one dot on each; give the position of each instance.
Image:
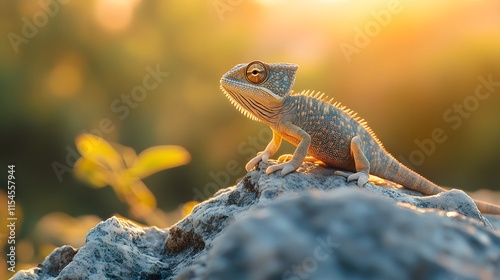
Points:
(115, 15)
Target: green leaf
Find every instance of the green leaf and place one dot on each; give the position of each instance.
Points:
(158, 158)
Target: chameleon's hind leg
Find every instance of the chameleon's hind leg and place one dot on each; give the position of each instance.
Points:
(361, 162)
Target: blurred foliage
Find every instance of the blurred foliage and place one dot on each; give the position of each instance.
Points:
(103, 163)
(145, 73)
(121, 168)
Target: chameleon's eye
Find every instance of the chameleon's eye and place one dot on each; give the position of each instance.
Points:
(256, 72)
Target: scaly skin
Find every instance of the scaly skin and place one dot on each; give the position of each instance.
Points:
(320, 129)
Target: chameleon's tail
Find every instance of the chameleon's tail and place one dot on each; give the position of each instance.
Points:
(486, 207)
(408, 178)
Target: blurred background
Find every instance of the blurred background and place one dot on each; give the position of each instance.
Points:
(146, 73)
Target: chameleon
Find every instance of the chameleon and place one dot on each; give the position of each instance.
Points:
(322, 130)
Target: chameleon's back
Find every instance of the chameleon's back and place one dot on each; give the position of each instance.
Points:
(331, 128)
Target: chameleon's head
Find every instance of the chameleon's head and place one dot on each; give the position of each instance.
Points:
(257, 87)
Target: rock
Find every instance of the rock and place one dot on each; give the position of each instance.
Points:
(306, 225)
(115, 248)
(349, 234)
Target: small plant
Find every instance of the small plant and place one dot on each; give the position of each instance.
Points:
(122, 168)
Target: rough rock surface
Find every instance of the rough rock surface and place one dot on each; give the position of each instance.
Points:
(306, 225)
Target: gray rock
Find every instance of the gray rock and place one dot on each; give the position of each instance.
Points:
(349, 234)
(114, 249)
(306, 225)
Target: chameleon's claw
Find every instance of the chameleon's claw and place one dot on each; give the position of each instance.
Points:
(342, 173)
(261, 156)
(285, 168)
(265, 156)
(361, 177)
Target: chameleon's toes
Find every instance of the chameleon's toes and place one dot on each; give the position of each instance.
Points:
(262, 156)
(250, 165)
(342, 173)
(361, 177)
(285, 168)
(265, 156)
(272, 169)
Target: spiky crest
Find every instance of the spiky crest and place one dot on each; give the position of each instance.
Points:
(321, 97)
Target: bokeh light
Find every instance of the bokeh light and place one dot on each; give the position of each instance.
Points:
(115, 15)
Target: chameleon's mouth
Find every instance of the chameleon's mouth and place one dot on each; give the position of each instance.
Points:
(236, 100)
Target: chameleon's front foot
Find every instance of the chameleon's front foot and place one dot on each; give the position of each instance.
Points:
(285, 167)
(287, 163)
(360, 176)
(261, 156)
